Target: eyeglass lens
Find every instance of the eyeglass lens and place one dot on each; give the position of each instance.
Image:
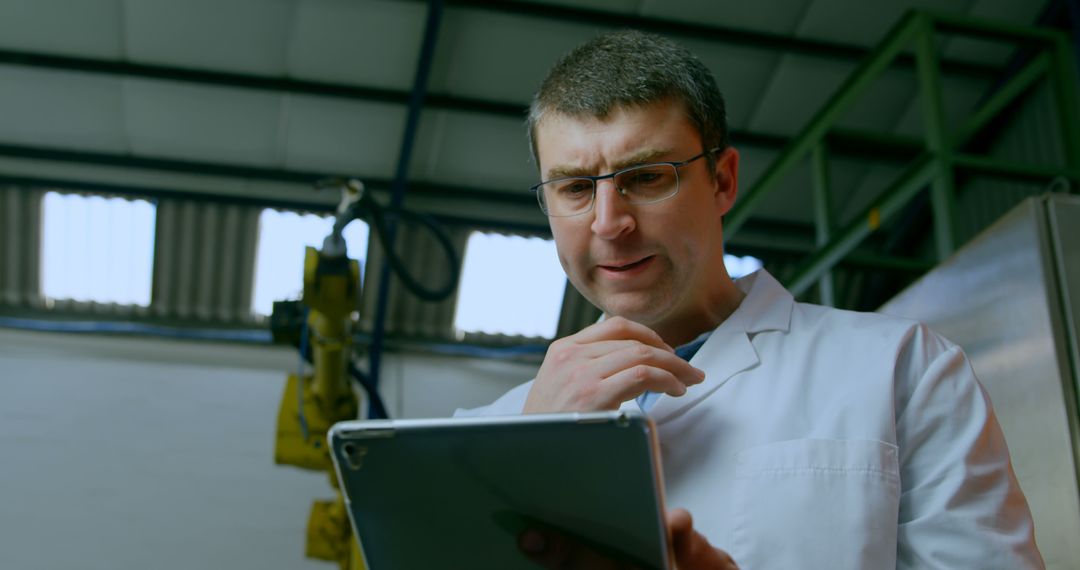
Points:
(639, 185)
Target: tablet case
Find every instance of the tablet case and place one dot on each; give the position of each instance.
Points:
(457, 493)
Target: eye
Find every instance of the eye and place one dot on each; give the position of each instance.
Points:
(647, 178)
(577, 187)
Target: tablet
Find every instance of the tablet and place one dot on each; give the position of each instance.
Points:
(457, 493)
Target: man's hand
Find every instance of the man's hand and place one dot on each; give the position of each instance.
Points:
(605, 365)
(691, 550)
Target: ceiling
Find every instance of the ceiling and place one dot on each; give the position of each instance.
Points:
(254, 99)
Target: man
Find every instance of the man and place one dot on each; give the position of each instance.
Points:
(799, 436)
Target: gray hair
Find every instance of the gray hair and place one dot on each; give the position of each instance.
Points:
(631, 69)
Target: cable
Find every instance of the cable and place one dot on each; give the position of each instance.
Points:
(357, 202)
(300, 376)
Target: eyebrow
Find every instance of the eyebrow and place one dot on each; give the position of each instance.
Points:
(641, 157)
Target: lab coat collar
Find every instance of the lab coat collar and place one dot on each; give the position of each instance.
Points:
(766, 307)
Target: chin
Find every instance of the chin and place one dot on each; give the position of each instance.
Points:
(644, 311)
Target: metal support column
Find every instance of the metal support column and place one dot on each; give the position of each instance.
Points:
(942, 191)
(1000, 100)
(862, 79)
(823, 217)
(412, 122)
(914, 179)
(1067, 100)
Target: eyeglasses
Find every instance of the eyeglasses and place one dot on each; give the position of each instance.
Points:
(642, 184)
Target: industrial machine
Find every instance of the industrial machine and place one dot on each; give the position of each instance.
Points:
(1011, 299)
(322, 326)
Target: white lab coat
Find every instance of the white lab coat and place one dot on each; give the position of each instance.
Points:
(831, 439)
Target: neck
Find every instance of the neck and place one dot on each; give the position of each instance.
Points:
(690, 324)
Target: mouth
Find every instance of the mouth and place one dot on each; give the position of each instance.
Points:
(619, 268)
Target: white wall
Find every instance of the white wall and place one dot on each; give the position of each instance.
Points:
(119, 452)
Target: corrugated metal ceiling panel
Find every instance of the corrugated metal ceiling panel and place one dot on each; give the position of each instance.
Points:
(342, 136)
(865, 23)
(237, 35)
(87, 28)
(215, 124)
(499, 57)
(775, 16)
(496, 157)
(67, 110)
(359, 43)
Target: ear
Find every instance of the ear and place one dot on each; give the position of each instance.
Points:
(726, 179)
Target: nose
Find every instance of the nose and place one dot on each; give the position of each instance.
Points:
(613, 217)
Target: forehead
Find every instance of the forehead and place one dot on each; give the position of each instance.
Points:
(583, 144)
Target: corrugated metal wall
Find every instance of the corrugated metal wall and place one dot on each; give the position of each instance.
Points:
(204, 261)
(1033, 136)
(407, 314)
(20, 246)
(577, 312)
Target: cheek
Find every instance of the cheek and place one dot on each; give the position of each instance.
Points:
(568, 242)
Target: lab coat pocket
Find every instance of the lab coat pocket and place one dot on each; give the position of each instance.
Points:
(816, 503)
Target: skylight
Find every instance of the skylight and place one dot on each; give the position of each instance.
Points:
(279, 262)
(97, 249)
(739, 266)
(510, 285)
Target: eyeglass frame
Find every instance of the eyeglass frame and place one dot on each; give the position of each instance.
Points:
(536, 188)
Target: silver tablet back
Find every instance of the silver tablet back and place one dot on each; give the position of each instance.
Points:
(457, 493)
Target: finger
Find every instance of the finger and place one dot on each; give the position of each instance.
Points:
(632, 382)
(679, 521)
(553, 550)
(691, 548)
(627, 356)
(618, 328)
(626, 374)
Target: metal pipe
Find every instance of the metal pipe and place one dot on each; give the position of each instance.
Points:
(416, 106)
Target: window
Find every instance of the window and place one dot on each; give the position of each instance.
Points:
(739, 266)
(97, 249)
(510, 285)
(279, 261)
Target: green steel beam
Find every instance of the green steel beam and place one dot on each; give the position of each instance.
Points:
(942, 192)
(856, 259)
(1001, 99)
(937, 166)
(914, 178)
(723, 35)
(1064, 80)
(990, 29)
(859, 81)
(1013, 170)
(823, 216)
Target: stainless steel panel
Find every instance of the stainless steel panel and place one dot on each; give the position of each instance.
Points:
(998, 298)
(1064, 219)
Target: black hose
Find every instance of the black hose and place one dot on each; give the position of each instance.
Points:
(377, 409)
(378, 219)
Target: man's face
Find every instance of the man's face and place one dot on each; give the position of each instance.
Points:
(657, 264)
